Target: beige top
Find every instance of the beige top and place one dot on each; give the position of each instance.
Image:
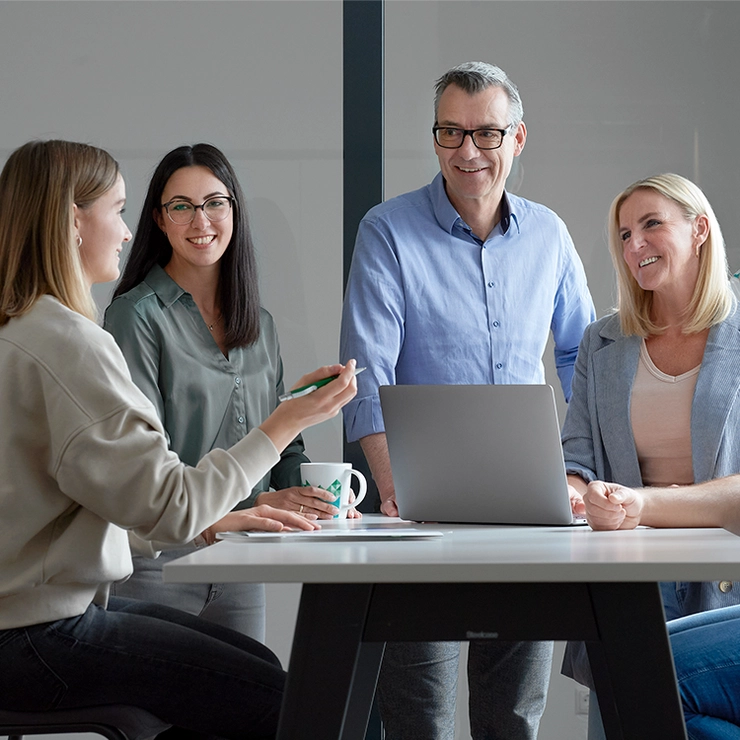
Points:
(661, 423)
(84, 458)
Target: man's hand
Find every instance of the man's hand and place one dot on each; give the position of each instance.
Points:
(388, 507)
(375, 447)
(611, 506)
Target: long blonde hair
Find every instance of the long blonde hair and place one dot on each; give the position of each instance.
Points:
(39, 186)
(712, 298)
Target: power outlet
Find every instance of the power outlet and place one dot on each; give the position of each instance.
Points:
(582, 695)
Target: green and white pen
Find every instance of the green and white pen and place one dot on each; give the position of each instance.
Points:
(306, 389)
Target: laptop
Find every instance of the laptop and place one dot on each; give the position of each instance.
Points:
(485, 454)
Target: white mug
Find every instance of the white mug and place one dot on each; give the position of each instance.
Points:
(335, 478)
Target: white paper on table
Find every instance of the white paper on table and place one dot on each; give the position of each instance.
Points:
(333, 534)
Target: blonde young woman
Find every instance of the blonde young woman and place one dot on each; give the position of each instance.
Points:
(85, 458)
(655, 391)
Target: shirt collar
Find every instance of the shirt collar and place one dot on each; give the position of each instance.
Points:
(166, 289)
(447, 216)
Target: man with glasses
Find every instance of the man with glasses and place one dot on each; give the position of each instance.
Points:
(461, 282)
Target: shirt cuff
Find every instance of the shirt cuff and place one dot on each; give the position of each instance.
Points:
(256, 454)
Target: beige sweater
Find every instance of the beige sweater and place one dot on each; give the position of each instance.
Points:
(83, 457)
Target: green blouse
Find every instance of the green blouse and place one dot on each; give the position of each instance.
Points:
(204, 399)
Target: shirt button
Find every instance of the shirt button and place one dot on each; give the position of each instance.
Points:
(241, 419)
(498, 366)
(491, 284)
(495, 323)
(237, 380)
(725, 586)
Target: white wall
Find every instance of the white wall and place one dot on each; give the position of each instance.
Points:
(260, 80)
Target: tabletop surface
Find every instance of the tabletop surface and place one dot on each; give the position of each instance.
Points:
(471, 553)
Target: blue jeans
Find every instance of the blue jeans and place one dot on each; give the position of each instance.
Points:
(706, 652)
(184, 670)
(239, 606)
(508, 689)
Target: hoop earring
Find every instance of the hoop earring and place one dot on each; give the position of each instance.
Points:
(78, 239)
(698, 249)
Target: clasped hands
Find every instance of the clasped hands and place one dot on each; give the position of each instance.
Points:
(608, 505)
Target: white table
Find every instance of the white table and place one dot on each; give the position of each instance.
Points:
(477, 582)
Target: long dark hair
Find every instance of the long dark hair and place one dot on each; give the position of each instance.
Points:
(238, 291)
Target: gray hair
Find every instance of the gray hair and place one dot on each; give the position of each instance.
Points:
(474, 77)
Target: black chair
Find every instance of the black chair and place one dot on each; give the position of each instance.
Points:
(114, 721)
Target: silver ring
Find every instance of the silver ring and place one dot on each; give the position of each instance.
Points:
(300, 511)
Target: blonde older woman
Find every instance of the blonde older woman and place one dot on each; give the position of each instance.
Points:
(655, 392)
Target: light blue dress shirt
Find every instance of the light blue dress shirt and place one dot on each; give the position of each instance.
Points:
(428, 302)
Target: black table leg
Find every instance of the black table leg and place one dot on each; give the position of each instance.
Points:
(633, 668)
(363, 690)
(329, 665)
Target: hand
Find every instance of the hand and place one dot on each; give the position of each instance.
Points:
(291, 417)
(308, 501)
(611, 506)
(262, 518)
(353, 513)
(388, 507)
(576, 502)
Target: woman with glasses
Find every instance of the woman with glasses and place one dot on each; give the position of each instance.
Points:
(84, 458)
(187, 317)
(655, 399)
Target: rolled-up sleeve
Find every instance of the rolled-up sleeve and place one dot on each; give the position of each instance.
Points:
(572, 313)
(372, 326)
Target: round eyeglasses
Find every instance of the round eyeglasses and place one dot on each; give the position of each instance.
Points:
(183, 211)
(449, 137)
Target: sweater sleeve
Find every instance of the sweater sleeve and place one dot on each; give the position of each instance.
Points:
(121, 469)
(109, 453)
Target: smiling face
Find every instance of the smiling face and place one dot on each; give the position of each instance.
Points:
(103, 231)
(475, 177)
(659, 244)
(201, 243)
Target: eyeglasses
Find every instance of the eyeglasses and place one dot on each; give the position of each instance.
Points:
(183, 211)
(449, 137)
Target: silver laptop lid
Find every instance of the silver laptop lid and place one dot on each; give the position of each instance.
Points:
(476, 453)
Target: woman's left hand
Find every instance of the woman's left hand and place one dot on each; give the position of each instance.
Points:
(305, 500)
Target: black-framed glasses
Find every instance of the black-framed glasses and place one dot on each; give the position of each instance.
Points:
(183, 211)
(449, 137)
